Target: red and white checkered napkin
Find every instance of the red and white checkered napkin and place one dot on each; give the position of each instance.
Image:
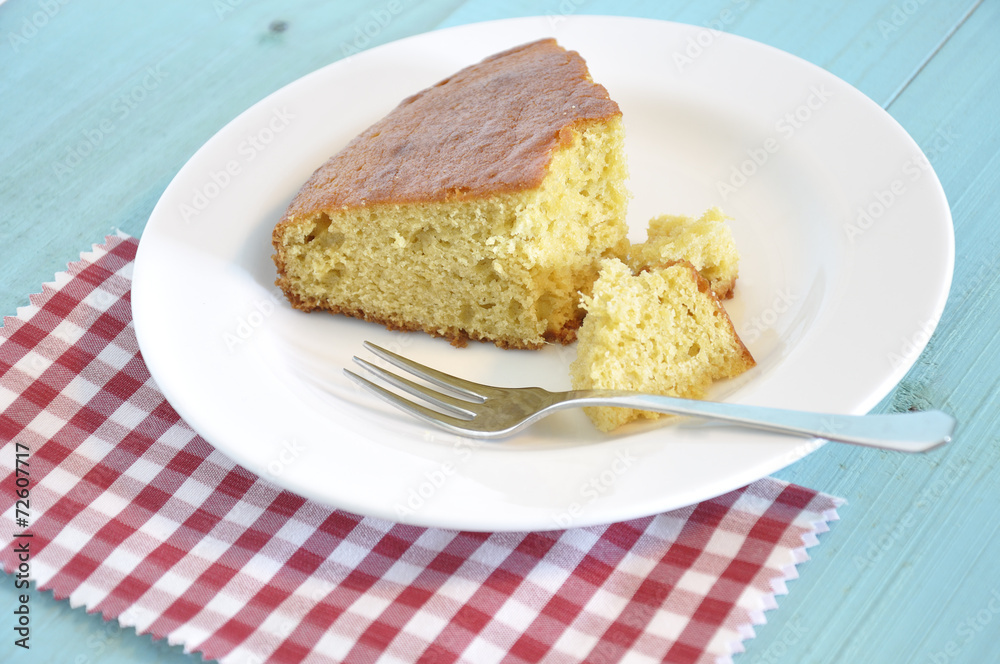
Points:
(134, 515)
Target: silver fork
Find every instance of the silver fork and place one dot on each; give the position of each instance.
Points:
(484, 411)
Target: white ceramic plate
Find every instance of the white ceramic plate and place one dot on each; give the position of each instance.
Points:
(847, 255)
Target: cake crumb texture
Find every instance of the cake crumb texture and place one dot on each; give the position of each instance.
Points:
(478, 209)
(706, 242)
(660, 331)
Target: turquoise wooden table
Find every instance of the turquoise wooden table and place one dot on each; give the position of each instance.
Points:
(102, 102)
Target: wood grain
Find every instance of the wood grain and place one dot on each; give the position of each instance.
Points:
(105, 101)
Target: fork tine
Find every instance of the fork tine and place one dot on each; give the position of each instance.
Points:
(428, 415)
(453, 405)
(476, 391)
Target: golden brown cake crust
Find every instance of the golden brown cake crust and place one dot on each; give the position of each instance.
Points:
(488, 129)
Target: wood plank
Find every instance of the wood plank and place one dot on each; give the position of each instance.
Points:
(875, 46)
(918, 544)
(99, 115)
(110, 113)
(922, 540)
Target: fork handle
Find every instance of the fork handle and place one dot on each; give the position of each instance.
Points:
(913, 431)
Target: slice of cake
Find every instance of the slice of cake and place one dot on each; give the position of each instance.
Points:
(660, 331)
(477, 209)
(706, 242)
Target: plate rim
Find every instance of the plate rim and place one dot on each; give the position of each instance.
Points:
(437, 520)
